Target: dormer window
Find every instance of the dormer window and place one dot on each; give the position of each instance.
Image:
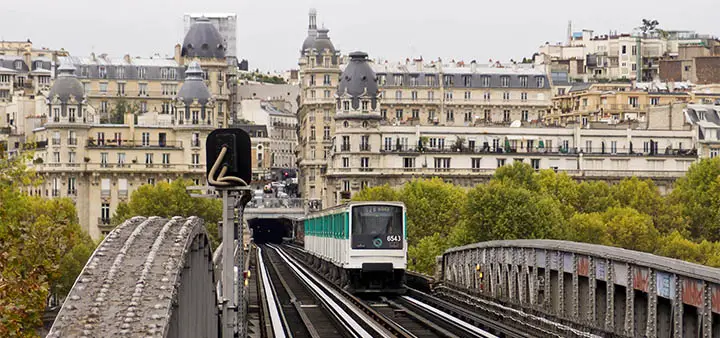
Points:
(18, 65)
(524, 81)
(485, 81)
(364, 105)
(540, 81)
(141, 72)
(505, 81)
(38, 64)
(346, 105)
(102, 72)
(120, 72)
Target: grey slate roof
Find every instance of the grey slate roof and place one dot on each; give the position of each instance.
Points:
(89, 68)
(203, 40)
(194, 86)
(454, 77)
(322, 41)
(66, 85)
(10, 62)
(358, 80)
(309, 41)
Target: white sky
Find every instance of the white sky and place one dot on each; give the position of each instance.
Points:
(270, 32)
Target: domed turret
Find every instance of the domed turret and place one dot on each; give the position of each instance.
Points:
(204, 41)
(312, 32)
(322, 42)
(67, 85)
(358, 81)
(194, 86)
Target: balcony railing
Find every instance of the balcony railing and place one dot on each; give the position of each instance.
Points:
(92, 143)
(345, 147)
(72, 192)
(639, 152)
(195, 143)
(364, 147)
(103, 221)
(72, 141)
(55, 142)
(55, 192)
(277, 203)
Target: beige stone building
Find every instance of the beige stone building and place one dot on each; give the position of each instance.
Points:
(412, 93)
(25, 76)
(368, 150)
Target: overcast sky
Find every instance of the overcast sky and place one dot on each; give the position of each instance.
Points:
(270, 32)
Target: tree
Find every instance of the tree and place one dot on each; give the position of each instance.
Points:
(433, 206)
(421, 257)
(42, 249)
(176, 201)
(562, 187)
(594, 196)
(675, 245)
(631, 229)
(588, 228)
(503, 210)
(648, 26)
(378, 193)
(117, 113)
(697, 195)
(518, 173)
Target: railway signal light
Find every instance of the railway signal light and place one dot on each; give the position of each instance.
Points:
(228, 158)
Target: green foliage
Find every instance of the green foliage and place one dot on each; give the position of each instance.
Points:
(630, 229)
(502, 210)
(594, 196)
(176, 201)
(697, 195)
(378, 193)
(117, 113)
(260, 77)
(422, 256)
(588, 228)
(433, 206)
(518, 173)
(42, 250)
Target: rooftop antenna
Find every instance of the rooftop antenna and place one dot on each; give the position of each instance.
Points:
(569, 32)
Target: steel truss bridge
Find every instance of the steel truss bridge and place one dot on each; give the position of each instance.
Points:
(155, 277)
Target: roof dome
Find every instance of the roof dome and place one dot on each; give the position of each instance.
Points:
(67, 85)
(322, 41)
(309, 41)
(194, 86)
(358, 80)
(203, 40)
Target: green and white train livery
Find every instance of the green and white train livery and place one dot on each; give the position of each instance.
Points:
(361, 246)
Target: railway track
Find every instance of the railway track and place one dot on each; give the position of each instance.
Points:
(299, 294)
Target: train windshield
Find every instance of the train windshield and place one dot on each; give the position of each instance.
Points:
(377, 227)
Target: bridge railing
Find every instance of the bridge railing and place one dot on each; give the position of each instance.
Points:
(277, 203)
(595, 288)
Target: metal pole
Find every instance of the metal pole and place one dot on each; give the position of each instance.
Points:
(228, 268)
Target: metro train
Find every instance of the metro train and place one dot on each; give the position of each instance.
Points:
(360, 246)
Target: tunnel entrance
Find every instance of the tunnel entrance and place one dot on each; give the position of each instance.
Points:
(270, 230)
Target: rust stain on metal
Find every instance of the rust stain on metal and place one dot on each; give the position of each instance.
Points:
(692, 292)
(583, 266)
(641, 279)
(715, 298)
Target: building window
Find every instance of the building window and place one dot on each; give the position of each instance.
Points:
(398, 80)
(388, 143)
(524, 81)
(364, 184)
(654, 101)
(71, 157)
(399, 114)
(326, 94)
(120, 72)
(413, 95)
(72, 186)
(151, 181)
(346, 162)
(431, 95)
(105, 213)
(166, 158)
(442, 163)
(450, 115)
(468, 95)
(312, 133)
(141, 72)
(505, 81)
(105, 187)
(430, 80)
(486, 96)
(525, 115)
(145, 139)
(523, 97)
(364, 163)
(500, 162)
(142, 89)
(506, 96)
(535, 163)
(506, 116)
(613, 147)
(540, 81)
(326, 133)
(383, 113)
(468, 116)
(364, 105)
(103, 160)
(121, 158)
(148, 158)
(409, 162)
(588, 146)
(475, 162)
(103, 87)
(326, 80)
(345, 143)
(449, 95)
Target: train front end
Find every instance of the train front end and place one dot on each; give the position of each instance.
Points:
(378, 247)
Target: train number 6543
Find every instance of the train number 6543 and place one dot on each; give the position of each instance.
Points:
(394, 238)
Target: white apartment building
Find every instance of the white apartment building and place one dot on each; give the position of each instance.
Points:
(281, 128)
